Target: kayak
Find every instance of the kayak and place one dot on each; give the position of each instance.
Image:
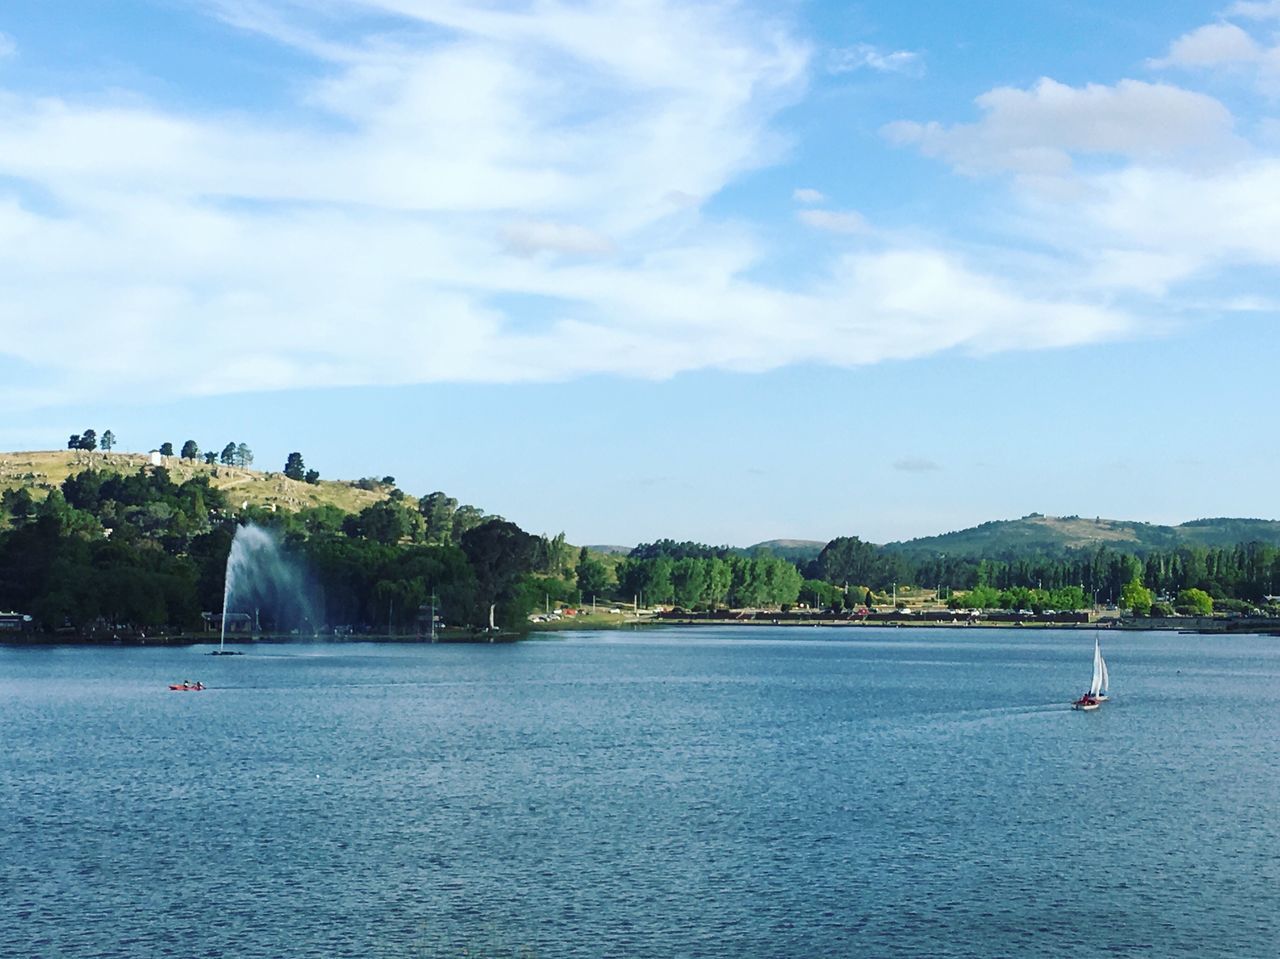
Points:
(186, 687)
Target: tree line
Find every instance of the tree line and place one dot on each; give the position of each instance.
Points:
(141, 551)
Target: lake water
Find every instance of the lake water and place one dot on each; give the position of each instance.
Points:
(753, 792)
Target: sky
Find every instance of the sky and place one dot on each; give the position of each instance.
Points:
(722, 271)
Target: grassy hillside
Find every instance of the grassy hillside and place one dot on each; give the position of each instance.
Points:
(1056, 534)
(43, 471)
(793, 550)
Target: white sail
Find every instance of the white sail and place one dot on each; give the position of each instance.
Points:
(1099, 670)
(1106, 677)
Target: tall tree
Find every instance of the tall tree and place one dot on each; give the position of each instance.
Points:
(108, 440)
(190, 451)
(593, 578)
(89, 440)
(244, 455)
(294, 468)
(500, 553)
(437, 510)
(73, 441)
(211, 458)
(166, 449)
(228, 457)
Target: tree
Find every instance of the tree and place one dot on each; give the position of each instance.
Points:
(18, 504)
(211, 458)
(466, 518)
(166, 449)
(89, 440)
(593, 578)
(244, 455)
(388, 481)
(1136, 597)
(228, 456)
(294, 468)
(500, 553)
(108, 440)
(312, 477)
(1195, 602)
(190, 451)
(73, 442)
(437, 510)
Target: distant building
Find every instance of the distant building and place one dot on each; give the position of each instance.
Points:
(15, 623)
(236, 622)
(157, 458)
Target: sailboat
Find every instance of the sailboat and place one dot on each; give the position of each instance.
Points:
(1100, 683)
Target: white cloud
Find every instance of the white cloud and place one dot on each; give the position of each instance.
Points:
(1210, 45)
(808, 196)
(207, 254)
(530, 237)
(1225, 47)
(1037, 131)
(833, 221)
(1255, 9)
(864, 56)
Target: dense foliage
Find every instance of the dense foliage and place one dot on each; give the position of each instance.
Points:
(109, 551)
(112, 552)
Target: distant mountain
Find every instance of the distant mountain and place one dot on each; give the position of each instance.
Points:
(1050, 535)
(795, 550)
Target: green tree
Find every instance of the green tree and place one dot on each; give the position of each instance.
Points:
(312, 477)
(73, 441)
(593, 578)
(466, 518)
(18, 505)
(500, 554)
(108, 441)
(211, 458)
(89, 440)
(294, 468)
(1194, 602)
(166, 449)
(1136, 597)
(437, 511)
(244, 455)
(228, 455)
(190, 451)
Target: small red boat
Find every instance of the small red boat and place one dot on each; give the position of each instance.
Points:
(185, 687)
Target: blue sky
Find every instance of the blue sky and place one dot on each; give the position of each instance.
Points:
(722, 271)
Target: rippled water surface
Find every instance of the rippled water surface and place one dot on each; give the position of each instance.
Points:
(716, 792)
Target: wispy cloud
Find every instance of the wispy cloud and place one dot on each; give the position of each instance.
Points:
(865, 56)
(1255, 9)
(916, 464)
(530, 237)
(1037, 131)
(7, 46)
(833, 221)
(212, 253)
(808, 196)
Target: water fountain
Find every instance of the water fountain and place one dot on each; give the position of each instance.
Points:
(260, 577)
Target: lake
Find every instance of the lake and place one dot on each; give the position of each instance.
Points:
(699, 792)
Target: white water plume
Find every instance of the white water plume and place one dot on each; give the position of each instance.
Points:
(263, 582)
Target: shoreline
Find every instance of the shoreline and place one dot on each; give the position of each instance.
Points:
(1188, 626)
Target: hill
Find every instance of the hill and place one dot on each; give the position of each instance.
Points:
(41, 471)
(794, 550)
(1055, 535)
